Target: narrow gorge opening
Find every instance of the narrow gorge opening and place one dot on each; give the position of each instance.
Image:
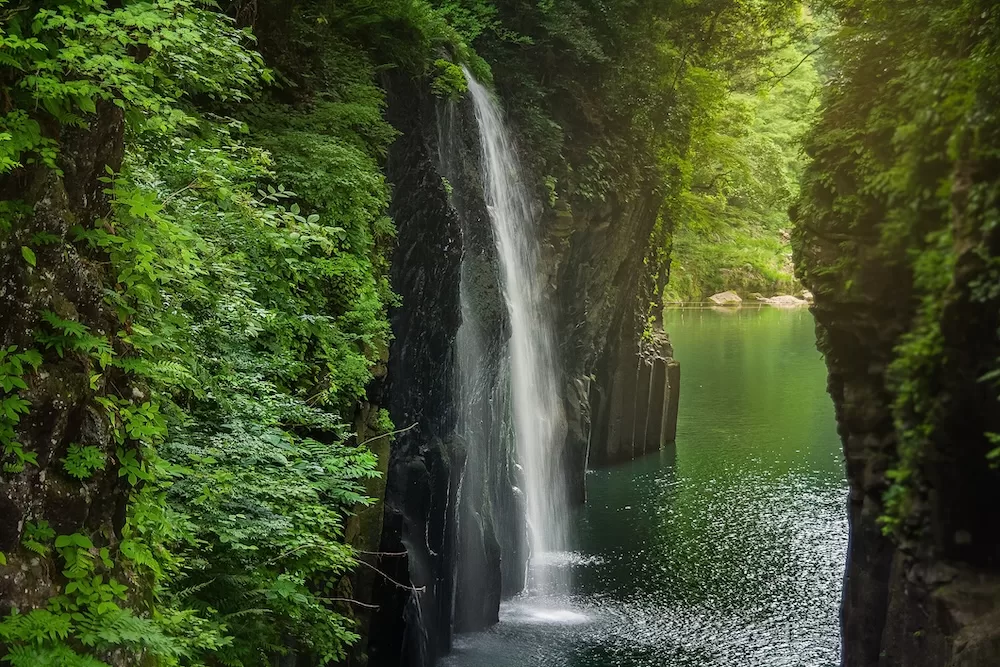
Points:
(743, 473)
(724, 547)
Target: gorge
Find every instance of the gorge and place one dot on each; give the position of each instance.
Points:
(338, 332)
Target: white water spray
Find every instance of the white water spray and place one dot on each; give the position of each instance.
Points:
(539, 426)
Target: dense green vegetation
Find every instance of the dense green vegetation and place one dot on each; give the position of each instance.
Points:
(732, 230)
(218, 298)
(244, 248)
(898, 215)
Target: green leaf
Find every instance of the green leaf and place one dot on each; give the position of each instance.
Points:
(28, 254)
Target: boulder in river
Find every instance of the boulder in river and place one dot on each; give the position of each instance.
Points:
(726, 299)
(785, 301)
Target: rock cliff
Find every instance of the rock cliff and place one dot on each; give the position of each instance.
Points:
(452, 503)
(413, 623)
(597, 258)
(898, 242)
(929, 595)
(66, 279)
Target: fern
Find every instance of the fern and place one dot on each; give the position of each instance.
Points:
(50, 655)
(37, 536)
(75, 336)
(13, 370)
(37, 627)
(82, 461)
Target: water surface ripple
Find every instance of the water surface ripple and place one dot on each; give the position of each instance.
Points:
(726, 549)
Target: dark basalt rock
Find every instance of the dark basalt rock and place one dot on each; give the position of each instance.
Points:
(492, 552)
(595, 258)
(363, 529)
(68, 281)
(637, 411)
(413, 623)
(451, 499)
(930, 595)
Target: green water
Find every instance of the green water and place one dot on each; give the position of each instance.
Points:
(725, 549)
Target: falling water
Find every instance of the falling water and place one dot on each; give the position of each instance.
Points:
(539, 427)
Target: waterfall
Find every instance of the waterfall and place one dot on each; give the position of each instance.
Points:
(539, 426)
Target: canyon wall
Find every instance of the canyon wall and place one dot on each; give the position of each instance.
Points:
(412, 625)
(928, 593)
(897, 238)
(452, 500)
(68, 280)
(598, 272)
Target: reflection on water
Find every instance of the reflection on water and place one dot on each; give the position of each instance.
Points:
(726, 549)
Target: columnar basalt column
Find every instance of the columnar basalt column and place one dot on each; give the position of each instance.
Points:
(637, 414)
(653, 436)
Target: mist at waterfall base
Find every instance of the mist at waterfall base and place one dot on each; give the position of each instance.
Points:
(726, 549)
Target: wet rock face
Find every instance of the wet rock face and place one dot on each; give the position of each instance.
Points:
(412, 628)
(858, 349)
(929, 596)
(363, 529)
(595, 258)
(69, 282)
(918, 600)
(636, 413)
(451, 499)
(492, 548)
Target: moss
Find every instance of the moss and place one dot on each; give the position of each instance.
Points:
(892, 217)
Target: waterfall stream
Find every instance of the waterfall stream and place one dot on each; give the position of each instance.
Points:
(539, 426)
(724, 549)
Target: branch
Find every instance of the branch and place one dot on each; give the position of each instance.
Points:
(385, 576)
(352, 601)
(357, 551)
(384, 435)
(797, 65)
(711, 184)
(381, 553)
(690, 45)
(174, 194)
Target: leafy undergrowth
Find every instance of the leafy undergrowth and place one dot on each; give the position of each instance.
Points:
(744, 260)
(246, 262)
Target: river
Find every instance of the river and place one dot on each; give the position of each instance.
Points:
(725, 549)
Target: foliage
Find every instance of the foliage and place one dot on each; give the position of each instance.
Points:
(12, 406)
(88, 611)
(283, 309)
(75, 56)
(731, 229)
(628, 87)
(904, 177)
(249, 318)
(449, 82)
(82, 461)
